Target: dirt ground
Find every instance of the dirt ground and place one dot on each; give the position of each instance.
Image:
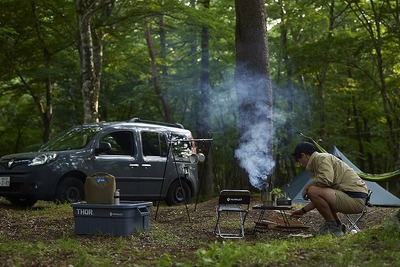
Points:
(200, 230)
(375, 215)
(175, 230)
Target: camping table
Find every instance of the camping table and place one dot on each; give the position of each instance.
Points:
(263, 208)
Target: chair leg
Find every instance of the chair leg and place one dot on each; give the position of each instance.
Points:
(353, 223)
(242, 220)
(217, 230)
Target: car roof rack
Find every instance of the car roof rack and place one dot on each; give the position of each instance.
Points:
(176, 125)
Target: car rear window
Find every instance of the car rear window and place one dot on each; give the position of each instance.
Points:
(182, 147)
(156, 144)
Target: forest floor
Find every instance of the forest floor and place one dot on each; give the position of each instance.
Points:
(172, 232)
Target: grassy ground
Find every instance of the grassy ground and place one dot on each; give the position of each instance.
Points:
(45, 236)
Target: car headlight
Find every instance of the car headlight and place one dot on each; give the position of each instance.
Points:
(42, 159)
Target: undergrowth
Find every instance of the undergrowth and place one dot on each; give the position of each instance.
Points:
(45, 237)
(376, 246)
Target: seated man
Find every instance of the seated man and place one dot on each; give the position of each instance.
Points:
(336, 188)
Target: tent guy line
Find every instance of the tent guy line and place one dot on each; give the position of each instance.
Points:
(365, 176)
(379, 197)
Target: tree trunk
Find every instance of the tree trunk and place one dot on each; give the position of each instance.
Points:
(203, 121)
(46, 110)
(373, 26)
(163, 44)
(394, 146)
(324, 70)
(254, 92)
(289, 162)
(91, 55)
(154, 74)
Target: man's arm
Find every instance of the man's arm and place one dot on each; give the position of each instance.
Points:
(299, 213)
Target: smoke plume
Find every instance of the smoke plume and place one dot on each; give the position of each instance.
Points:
(254, 151)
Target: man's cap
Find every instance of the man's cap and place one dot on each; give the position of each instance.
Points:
(304, 147)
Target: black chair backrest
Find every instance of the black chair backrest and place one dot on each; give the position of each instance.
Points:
(234, 197)
(367, 203)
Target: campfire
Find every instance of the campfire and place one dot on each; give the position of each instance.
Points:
(272, 196)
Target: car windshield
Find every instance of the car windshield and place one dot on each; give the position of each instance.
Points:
(75, 138)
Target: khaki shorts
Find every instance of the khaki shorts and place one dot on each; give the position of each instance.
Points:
(348, 205)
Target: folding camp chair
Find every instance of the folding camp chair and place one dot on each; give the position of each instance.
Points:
(353, 220)
(232, 202)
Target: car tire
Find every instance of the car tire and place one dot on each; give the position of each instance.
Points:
(22, 202)
(177, 196)
(70, 190)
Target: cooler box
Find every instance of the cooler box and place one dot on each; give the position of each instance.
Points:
(115, 220)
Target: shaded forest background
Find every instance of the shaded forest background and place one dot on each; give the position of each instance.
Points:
(334, 65)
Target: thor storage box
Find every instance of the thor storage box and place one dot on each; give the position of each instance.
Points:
(115, 220)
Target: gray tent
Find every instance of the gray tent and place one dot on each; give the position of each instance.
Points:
(379, 197)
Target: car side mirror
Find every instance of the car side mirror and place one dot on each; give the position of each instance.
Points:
(103, 147)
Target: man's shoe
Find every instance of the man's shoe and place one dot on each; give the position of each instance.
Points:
(337, 231)
(343, 228)
(328, 228)
(323, 230)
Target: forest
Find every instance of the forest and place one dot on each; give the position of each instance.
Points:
(334, 68)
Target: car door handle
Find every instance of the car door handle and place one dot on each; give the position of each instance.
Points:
(133, 165)
(146, 165)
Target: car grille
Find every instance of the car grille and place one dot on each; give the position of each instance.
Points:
(11, 163)
(14, 187)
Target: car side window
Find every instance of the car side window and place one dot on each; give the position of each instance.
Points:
(121, 143)
(154, 144)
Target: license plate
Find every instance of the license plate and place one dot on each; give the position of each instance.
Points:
(4, 181)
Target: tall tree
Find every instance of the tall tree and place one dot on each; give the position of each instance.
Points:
(285, 82)
(46, 110)
(333, 14)
(254, 92)
(371, 18)
(203, 121)
(91, 53)
(31, 43)
(155, 76)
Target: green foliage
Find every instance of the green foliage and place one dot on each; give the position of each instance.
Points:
(376, 246)
(230, 253)
(324, 67)
(18, 120)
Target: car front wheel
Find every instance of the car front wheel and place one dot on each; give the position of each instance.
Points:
(70, 190)
(177, 194)
(22, 202)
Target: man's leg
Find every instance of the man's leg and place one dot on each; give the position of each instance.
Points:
(324, 200)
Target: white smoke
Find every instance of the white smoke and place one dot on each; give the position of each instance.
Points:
(254, 152)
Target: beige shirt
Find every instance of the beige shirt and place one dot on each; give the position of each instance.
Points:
(329, 171)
